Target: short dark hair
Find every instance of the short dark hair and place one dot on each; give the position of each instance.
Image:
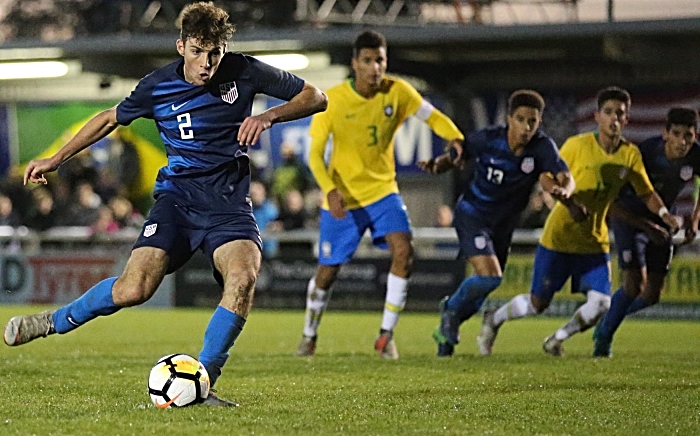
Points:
(525, 97)
(613, 93)
(368, 39)
(205, 23)
(683, 116)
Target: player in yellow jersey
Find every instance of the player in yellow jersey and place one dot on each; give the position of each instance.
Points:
(360, 181)
(576, 245)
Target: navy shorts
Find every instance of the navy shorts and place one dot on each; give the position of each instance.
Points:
(636, 251)
(553, 268)
(180, 229)
(477, 238)
(340, 237)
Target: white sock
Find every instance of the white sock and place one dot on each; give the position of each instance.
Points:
(316, 302)
(586, 316)
(395, 301)
(519, 307)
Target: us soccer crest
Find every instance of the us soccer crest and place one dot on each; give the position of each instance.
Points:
(229, 92)
(686, 173)
(527, 165)
(149, 230)
(480, 242)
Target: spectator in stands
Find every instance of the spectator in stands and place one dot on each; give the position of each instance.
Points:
(124, 213)
(291, 175)
(8, 217)
(84, 209)
(265, 213)
(43, 213)
(293, 214)
(105, 222)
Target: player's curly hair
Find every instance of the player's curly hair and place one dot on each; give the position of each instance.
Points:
(368, 39)
(613, 93)
(527, 98)
(683, 116)
(205, 23)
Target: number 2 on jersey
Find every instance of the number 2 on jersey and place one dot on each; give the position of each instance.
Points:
(184, 120)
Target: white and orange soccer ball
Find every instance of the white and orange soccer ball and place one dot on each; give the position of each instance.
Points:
(178, 380)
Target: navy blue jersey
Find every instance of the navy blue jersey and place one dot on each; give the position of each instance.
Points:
(502, 182)
(199, 125)
(668, 177)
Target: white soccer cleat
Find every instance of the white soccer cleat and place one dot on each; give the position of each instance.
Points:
(22, 329)
(553, 346)
(487, 334)
(214, 400)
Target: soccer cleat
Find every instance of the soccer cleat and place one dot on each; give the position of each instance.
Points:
(307, 346)
(602, 347)
(487, 334)
(386, 346)
(553, 346)
(449, 323)
(213, 400)
(445, 348)
(22, 329)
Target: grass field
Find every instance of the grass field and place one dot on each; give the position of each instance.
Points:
(93, 381)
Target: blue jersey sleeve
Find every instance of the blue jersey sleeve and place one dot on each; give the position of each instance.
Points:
(474, 144)
(273, 81)
(550, 160)
(139, 104)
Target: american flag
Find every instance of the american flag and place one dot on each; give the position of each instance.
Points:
(647, 113)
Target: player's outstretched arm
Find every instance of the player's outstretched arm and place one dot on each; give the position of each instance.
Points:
(308, 102)
(97, 128)
(657, 234)
(691, 229)
(655, 204)
(446, 161)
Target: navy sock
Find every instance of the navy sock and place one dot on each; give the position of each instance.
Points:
(637, 305)
(470, 295)
(619, 304)
(222, 331)
(97, 301)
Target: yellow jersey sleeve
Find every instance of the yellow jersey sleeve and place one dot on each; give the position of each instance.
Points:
(599, 177)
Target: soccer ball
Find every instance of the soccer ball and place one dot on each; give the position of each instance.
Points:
(178, 380)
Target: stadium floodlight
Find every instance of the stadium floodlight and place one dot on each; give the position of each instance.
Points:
(288, 62)
(32, 70)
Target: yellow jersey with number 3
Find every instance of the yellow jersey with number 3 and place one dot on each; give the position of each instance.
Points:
(361, 163)
(599, 177)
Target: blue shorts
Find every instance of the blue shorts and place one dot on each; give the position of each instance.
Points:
(340, 237)
(181, 229)
(477, 238)
(552, 269)
(635, 251)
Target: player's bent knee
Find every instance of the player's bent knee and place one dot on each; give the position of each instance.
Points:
(130, 295)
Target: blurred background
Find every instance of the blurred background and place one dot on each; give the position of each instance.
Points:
(62, 61)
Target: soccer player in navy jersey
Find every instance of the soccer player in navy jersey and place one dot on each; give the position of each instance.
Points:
(509, 161)
(643, 240)
(201, 105)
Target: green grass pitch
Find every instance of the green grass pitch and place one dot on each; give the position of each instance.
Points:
(93, 381)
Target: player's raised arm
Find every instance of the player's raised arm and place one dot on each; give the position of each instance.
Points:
(97, 128)
(308, 102)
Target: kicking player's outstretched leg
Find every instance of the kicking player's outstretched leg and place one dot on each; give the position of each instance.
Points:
(97, 301)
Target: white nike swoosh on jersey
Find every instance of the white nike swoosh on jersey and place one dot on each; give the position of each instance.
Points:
(178, 107)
